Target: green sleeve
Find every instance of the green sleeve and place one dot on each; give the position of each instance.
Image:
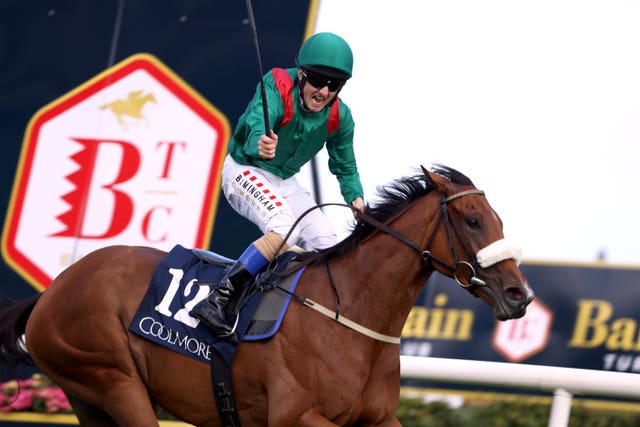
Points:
(342, 160)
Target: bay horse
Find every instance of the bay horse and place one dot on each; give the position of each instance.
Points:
(315, 371)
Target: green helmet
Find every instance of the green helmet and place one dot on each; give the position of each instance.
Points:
(328, 54)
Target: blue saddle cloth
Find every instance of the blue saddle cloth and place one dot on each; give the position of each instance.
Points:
(163, 315)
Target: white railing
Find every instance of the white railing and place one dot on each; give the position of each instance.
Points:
(563, 382)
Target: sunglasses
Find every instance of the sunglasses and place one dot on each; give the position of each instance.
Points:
(319, 81)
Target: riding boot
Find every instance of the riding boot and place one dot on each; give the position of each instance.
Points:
(218, 310)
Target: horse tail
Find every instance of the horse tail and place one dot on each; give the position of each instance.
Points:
(13, 321)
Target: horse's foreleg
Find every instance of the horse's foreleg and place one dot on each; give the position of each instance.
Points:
(311, 418)
(108, 402)
(129, 404)
(393, 422)
(89, 415)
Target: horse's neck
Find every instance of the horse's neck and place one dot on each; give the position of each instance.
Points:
(383, 277)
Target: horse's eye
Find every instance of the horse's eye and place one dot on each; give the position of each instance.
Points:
(473, 223)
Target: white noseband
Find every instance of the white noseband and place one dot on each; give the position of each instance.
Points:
(499, 251)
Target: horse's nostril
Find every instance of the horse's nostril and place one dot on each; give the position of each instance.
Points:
(515, 294)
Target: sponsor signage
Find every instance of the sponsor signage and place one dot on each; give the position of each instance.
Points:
(519, 339)
(132, 156)
(583, 317)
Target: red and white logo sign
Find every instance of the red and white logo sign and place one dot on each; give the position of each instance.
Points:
(132, 157)
(521, 338)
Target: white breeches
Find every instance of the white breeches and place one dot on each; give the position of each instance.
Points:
(274, 204)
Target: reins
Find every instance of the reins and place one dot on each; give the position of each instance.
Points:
(425, 254)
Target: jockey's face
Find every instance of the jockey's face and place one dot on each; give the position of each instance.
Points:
(315, 99)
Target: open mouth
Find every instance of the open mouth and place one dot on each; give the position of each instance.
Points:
(318, 100)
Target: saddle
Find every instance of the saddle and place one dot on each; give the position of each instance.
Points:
(163, 318)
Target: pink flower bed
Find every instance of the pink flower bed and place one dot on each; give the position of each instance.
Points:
(35, 394)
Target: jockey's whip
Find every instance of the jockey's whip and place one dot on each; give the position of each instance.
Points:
(252, 23)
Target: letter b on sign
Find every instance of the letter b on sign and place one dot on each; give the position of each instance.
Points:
(133, 156)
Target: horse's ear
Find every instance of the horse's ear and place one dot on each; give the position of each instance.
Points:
(428, 175)
(438, 181)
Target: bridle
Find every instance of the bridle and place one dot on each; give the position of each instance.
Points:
(427, 256)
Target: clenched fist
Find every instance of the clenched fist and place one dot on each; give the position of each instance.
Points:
(267, 146)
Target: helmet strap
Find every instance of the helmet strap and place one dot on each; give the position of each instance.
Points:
(301, 82)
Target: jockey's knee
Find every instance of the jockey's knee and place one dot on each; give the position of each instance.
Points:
(271, 245)
(320, 242)
(283, 231)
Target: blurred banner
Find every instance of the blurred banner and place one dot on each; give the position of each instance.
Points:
(114, 120)
(583, 317)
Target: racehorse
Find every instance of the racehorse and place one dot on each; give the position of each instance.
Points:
(315, 371)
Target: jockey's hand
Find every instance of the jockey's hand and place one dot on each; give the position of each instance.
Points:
(357, 203)
(267, 146)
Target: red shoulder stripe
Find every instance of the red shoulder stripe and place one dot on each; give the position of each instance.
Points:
(284, 85)
(334, 117)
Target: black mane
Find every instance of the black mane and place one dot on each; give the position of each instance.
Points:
(392, 198)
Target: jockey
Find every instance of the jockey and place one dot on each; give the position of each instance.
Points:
(258, 176)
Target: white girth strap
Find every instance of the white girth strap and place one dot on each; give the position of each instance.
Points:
(350, 323)
(499, 251)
